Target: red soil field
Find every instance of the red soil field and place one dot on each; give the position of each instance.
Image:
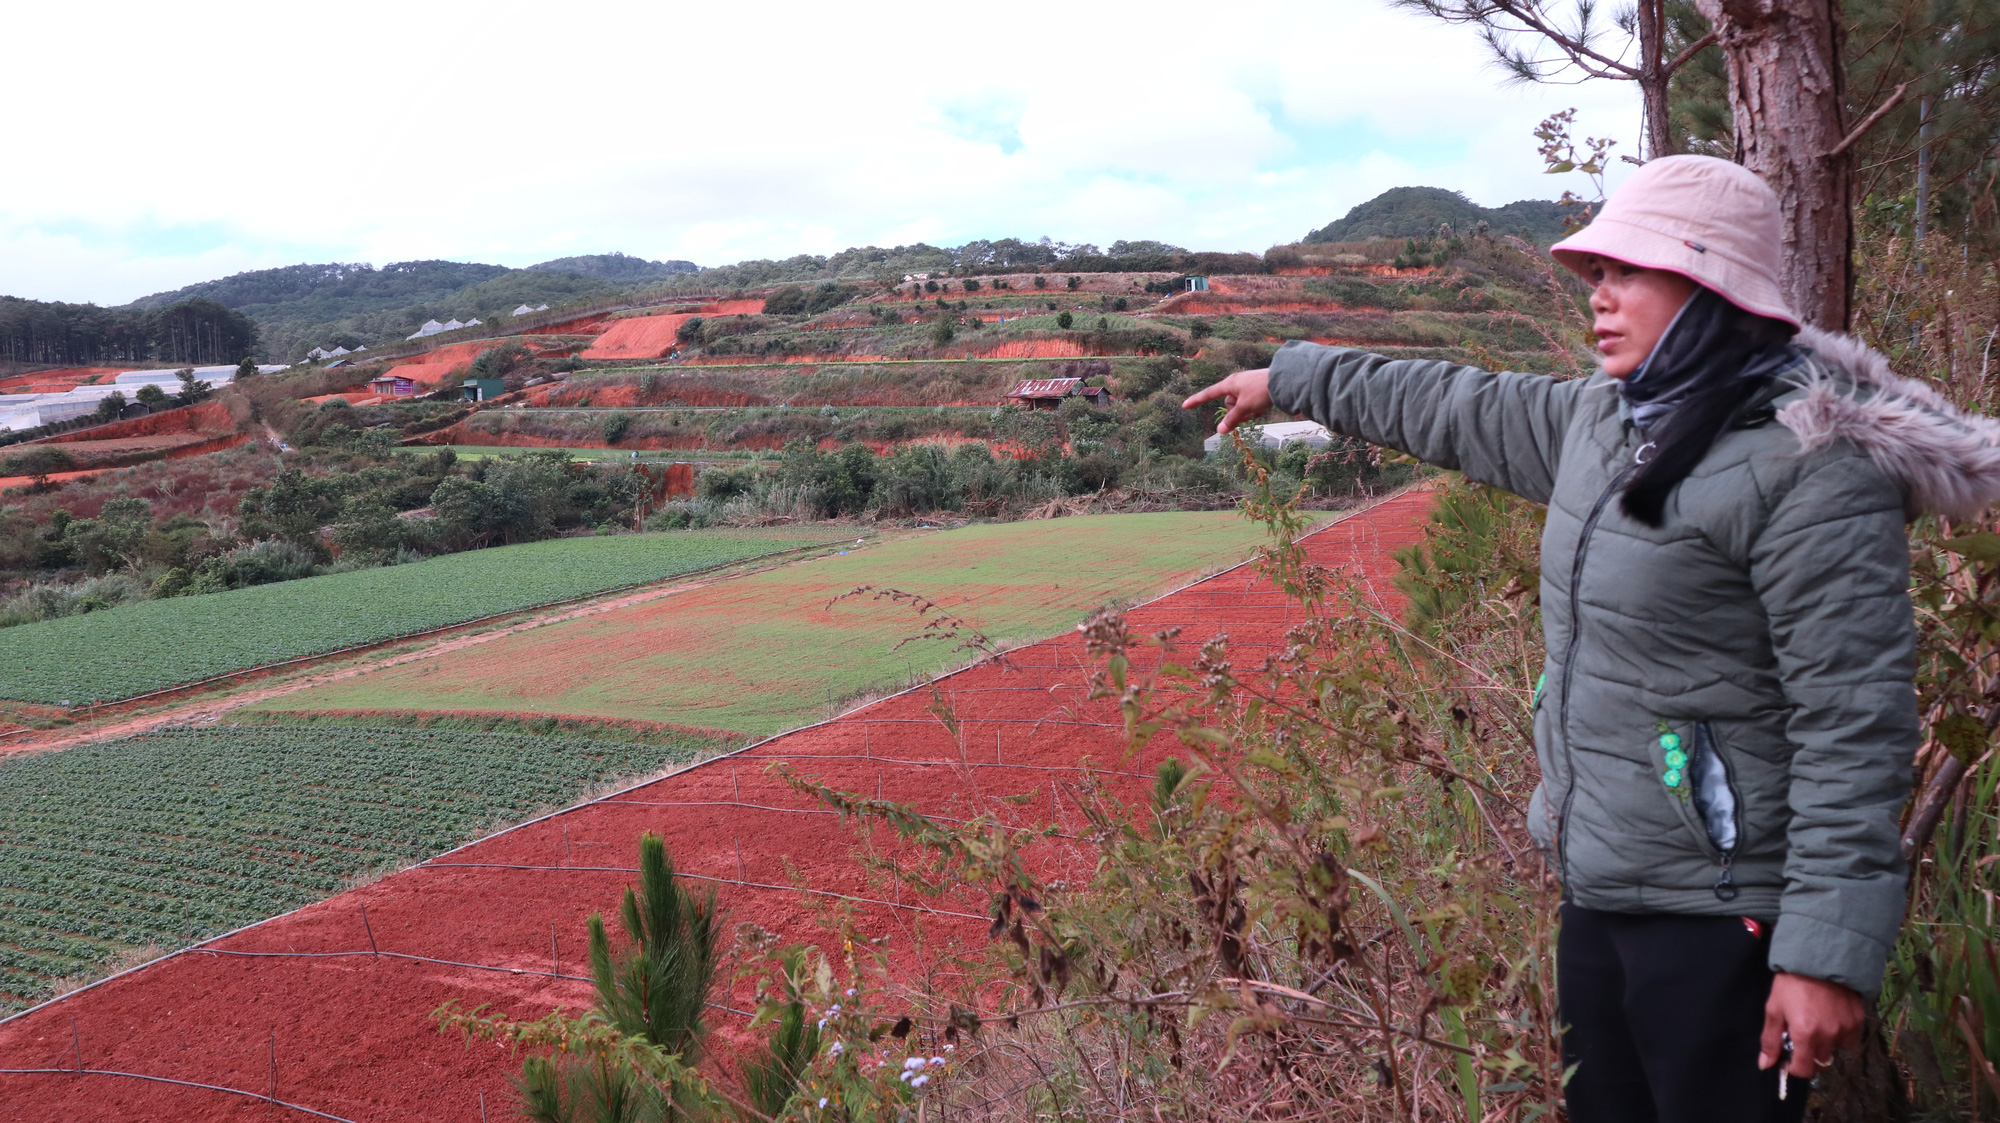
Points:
(639, 337)
(208, 417)
(1028, 349)
(54, 381)
(732, 308)
(352, 397)
(118, 451)
(350, 1032)
(8, 483)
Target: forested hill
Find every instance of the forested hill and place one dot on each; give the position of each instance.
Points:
(346, 304)
(1415, 212)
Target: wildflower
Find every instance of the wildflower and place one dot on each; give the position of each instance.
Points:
(919, 1081)
(913, 1063)
(835, 1048)
(850, 993)
(937, 1060)
(949, 1048)
(822, 1103)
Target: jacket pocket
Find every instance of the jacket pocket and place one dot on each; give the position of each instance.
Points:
(1696, 773)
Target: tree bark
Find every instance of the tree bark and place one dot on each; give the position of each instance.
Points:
(1652, 78)
(1785, 95)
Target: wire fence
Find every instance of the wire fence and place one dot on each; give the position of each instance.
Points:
(554, 971)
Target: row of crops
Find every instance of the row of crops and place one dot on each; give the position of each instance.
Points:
(152, 645)
(178, 835)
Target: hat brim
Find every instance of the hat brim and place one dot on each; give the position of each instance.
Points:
(1738, 282)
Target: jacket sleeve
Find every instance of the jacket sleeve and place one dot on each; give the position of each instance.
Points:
(1832, 566)
(1502, 429)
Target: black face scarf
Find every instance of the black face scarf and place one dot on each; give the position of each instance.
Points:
(1711, 360)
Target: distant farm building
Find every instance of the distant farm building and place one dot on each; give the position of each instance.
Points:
(394, 387)
(481, 389)
(1311, 433)
(524, 309)
(432, 327)
(1048, 393)
(1194, 284)
(337, 352)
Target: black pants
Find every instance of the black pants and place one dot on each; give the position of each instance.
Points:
(1663, 1015)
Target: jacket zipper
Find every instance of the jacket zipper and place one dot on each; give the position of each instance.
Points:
(1569, 663)
(1725, 884)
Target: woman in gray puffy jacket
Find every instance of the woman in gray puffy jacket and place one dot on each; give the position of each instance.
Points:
(1727, 719)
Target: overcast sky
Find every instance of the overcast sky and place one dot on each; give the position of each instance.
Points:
(178, 143)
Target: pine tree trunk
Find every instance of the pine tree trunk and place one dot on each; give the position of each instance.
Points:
(1652, 31)
(1785, 94)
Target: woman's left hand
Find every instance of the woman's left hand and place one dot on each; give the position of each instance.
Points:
(1822, 1017)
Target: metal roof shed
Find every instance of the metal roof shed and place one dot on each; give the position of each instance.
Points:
(1048, 393)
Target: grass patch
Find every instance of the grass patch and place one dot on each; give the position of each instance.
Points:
(152, 645)
(764, 653)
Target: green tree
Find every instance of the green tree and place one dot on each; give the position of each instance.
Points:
(655, 990)
(110, 406)
(1065, 321)
(152, 397)
(192, 389)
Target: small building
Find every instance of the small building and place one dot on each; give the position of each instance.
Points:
(392, 387)
(481, 389)
(1311, 433)
(1048, 393)
(1193, 284)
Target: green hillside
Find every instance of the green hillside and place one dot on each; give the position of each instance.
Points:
(1413, 212)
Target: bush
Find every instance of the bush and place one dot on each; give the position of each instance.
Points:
(1065, 321)
(615, 427)
(943, 331)
(787, 301)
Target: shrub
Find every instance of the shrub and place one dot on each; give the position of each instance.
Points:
(1074, 282)
(38, 464)
(1065, 321)
(971, 285)
(1041, 282)
(615, 427)
(943, 331)
(787, 301)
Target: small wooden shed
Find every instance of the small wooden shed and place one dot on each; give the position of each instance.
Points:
(387, 386)
(1048, 393)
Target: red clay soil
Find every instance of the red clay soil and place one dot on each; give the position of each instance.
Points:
(118, 452)
(208, 417)
(8, 483)
(639, 337)
(732, 308)
(352, 1033)
(1028, 349)
(54, 381)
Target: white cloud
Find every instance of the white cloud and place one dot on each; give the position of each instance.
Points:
(514, 133)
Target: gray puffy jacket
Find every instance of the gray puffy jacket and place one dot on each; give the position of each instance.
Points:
(1727, 720)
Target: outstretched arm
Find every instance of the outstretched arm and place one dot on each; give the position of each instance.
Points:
(1504, 429)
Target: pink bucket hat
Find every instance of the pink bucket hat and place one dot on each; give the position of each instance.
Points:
(1709, 220)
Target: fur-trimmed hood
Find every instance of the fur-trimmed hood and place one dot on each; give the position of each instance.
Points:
(1947, 460)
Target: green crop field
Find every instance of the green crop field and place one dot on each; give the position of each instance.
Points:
(765, 653)
(171, 837)
(151, 645)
